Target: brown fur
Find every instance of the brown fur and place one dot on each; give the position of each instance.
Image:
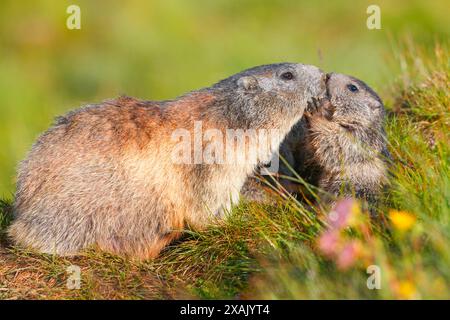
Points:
(103, 174)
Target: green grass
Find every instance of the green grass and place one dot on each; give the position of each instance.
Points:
(272, 251)
(158, 50)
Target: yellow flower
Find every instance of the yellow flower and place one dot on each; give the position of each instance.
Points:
(407, 290)
(355, 213)
(402, 220)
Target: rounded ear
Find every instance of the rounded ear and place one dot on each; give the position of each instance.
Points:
(248, 83)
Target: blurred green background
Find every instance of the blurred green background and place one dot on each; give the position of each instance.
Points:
(161, 49)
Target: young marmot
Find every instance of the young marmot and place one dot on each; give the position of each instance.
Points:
(105, 175)
(341, 146)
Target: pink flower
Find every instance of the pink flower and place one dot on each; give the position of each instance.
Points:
(348, 255)
(329, 242)
(343, 212)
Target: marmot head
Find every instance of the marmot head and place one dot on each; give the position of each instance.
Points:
(353, 104)
(272, 96)
(351, 107)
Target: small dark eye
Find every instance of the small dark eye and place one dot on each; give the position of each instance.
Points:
(287, 76)
(352, 87)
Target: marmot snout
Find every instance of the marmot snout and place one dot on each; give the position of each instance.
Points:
(104, 175)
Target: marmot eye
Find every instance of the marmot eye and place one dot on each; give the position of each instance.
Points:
(287, 75)
(352, 87)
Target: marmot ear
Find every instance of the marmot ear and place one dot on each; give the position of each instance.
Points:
(248, 83)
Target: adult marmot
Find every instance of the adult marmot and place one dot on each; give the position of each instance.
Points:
(105, 175)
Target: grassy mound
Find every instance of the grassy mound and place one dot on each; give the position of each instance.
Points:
(285, 250)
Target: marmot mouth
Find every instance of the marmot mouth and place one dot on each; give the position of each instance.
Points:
(347, 127)
(352, 126)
